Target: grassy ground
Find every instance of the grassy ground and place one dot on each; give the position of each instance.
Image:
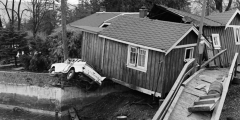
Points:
(28, 78)
(134, 105)
(231, 107)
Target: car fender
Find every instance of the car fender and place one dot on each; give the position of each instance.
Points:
(79, 66)
(59, 66)
(91, 73)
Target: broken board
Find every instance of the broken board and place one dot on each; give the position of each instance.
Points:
(206, 78)
(205, 103)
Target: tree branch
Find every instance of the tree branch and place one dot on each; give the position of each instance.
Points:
(229, 5)
(5, 6)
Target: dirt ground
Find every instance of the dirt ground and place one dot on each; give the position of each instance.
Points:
(134, 105)
(231, 107)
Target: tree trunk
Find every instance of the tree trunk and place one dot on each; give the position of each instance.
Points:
(218, 5)
(229, 5)
(64, 34)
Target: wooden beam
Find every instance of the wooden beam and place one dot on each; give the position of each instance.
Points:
(217, 55)
(171, 108)
(191, 77)
(217, 111)
(143, 90)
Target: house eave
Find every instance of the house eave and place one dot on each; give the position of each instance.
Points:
(129, 43)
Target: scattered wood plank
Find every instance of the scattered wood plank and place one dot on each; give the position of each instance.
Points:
(209, 96)
(201, 86)
(207, 78)
(206, 101)
(202, 107)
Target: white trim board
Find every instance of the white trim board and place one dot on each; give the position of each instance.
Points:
(104, 24)
(134, 87)
(180, 39)
(133, 44)
(230, 20)
(184, 46)
(119, 15)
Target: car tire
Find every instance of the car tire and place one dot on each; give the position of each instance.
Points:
(51, 71)
(70, 74)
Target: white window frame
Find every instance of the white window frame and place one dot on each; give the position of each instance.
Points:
(237, 35)
(101, 26)
(191, 54)
(216, 46)
(136, 65)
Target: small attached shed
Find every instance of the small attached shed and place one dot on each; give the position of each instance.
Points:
(226, 36)
(220, 29)
(139, 52)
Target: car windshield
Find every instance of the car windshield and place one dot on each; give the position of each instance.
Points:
(68, 61)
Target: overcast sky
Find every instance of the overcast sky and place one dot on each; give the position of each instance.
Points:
(23, 6)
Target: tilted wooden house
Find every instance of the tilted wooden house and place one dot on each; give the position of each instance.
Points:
(221, 29)
(139, 52)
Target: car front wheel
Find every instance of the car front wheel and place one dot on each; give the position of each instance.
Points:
(52, 71)
(70, 74)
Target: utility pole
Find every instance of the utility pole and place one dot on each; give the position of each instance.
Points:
(64, 31)
(199, 36)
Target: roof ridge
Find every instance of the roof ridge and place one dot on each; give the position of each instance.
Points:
(190, 13)
(147, 19)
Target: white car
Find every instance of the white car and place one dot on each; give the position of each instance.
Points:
(72, 66)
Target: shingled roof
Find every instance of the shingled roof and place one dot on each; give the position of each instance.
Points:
(97, 19)
(223, 17)
(161, 35)
(206, 21)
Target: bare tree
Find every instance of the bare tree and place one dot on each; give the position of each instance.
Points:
(38, 9)
(18, 13)
(215, 5)
(6, 9)
(12, 20)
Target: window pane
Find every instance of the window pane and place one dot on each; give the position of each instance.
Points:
(188, 52)
(215, 41)
(141, 58)
(237, 35)
(133, 56)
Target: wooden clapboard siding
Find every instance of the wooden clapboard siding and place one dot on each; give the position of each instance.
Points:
(174, 62)
(236, 20)
(91, 49)
(189, 39)
(109, 58)
(115, 60)
(227, 41)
